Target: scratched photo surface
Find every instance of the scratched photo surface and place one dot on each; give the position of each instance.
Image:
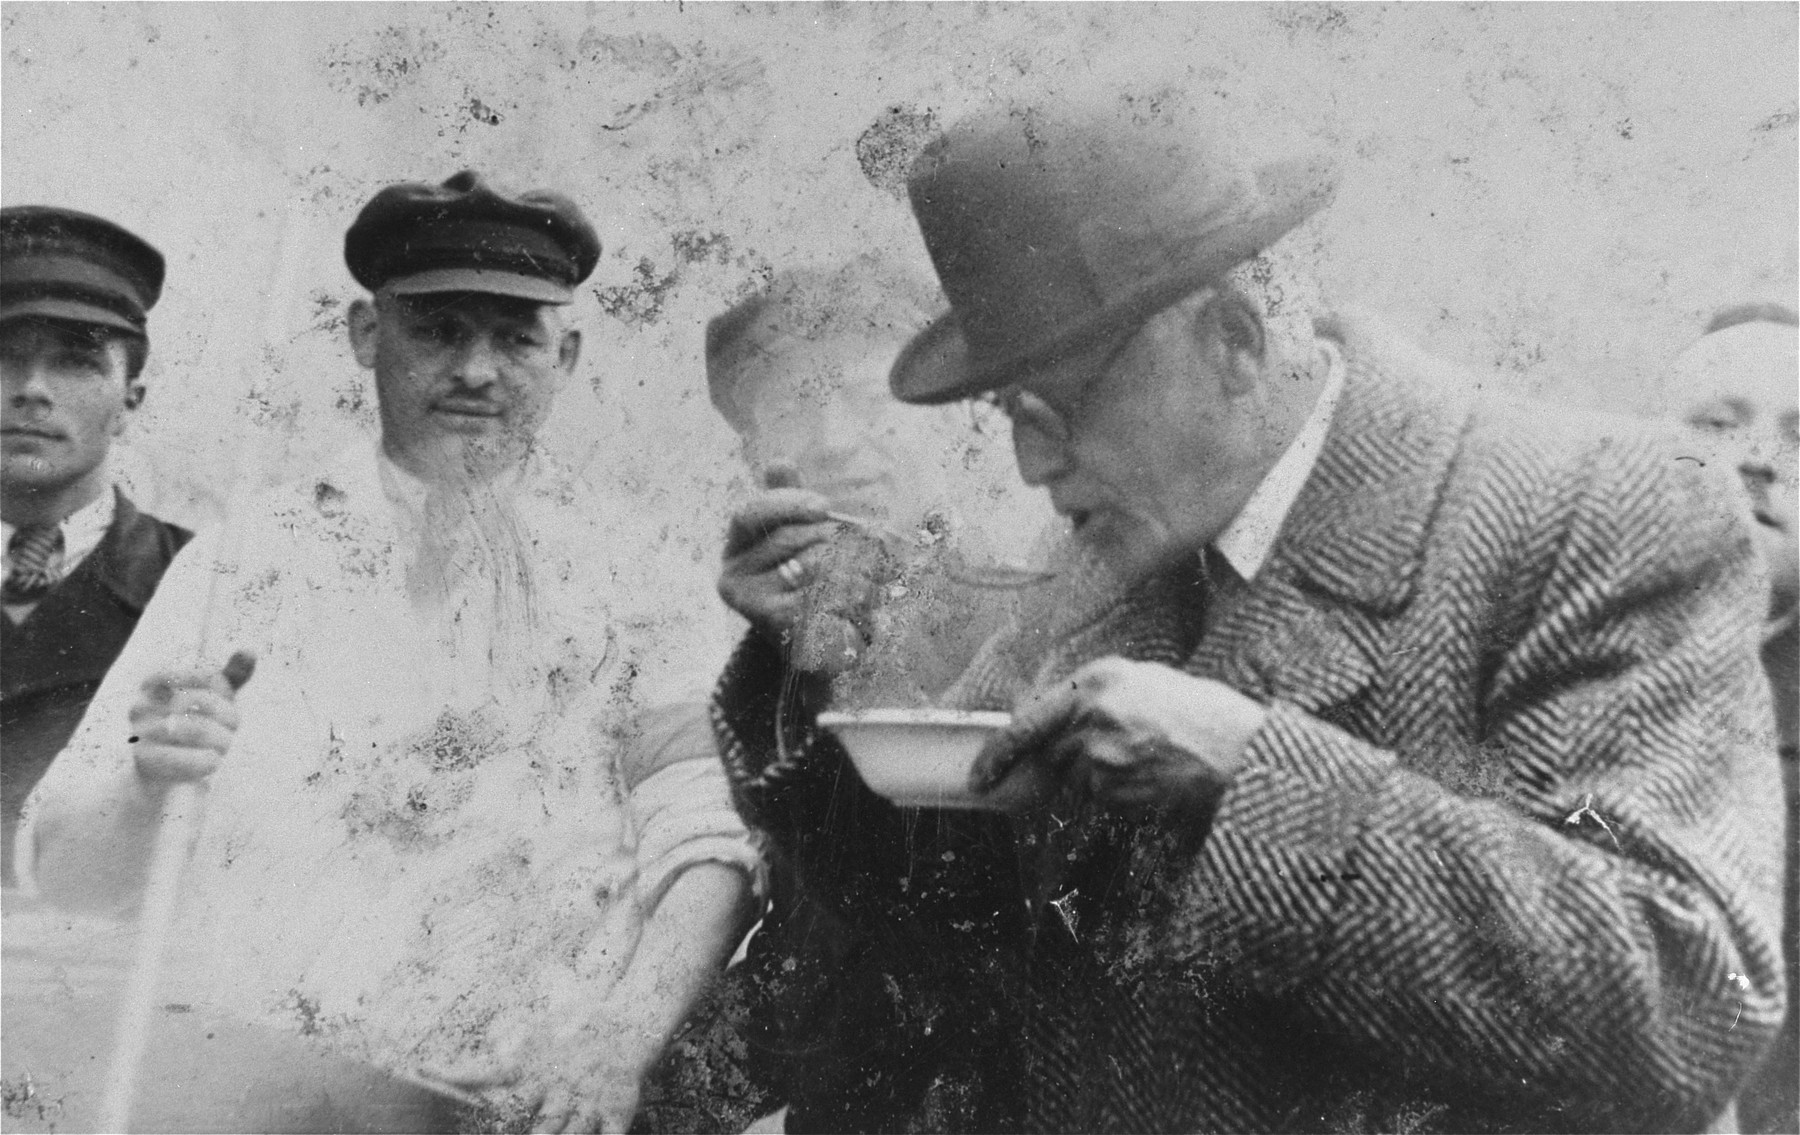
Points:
(1553, 197)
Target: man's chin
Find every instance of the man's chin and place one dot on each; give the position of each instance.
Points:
(1782, 601)
(1778, 554)
(1121, 550)
(30, 471)
(468, 457)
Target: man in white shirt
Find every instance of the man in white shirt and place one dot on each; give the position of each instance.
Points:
(1421, 775)
(461, 821)
(80, 559)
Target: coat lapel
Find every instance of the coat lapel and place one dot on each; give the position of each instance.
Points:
(1311, 629)
(73, 636)
(131, 559)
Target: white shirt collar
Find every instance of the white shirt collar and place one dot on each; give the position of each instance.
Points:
(410, 493)
(82, 530)
(1250, 537)
(401, 488)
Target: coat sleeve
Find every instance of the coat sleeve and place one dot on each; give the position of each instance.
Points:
(680, 803)
(1599, 935)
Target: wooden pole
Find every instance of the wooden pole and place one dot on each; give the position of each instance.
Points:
(184, 804)
(168, 856)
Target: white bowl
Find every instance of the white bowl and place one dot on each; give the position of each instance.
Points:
(920, 758)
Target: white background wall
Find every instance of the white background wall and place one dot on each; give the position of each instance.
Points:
(1556, 196)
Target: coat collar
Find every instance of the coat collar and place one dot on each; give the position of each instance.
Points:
(1358, 528)
(76, 631)
(130, 560)
(1311, 627)
(1250, 537)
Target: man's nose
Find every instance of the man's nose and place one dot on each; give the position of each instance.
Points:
(1762, 475)
(479, 365)
(840, 439)
(1765, 459)
(1754, 467)
(26, 382)
(1041, 458)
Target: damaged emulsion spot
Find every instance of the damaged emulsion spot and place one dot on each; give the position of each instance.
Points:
(1587, 809)
(20, 1099)
(327, 315)
(327, 496)
(375, 76)
(306, 1010)
(640, 301)
(482, 112)
(695, 247)
(1785, 117)
(643, 299)
(886, 149)
(1318, 19)
(1742, 984)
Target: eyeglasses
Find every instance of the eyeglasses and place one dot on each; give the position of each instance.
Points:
(1033, 412)
(1028, 411)
(1092, 364)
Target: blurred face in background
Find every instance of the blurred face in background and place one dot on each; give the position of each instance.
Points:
(823, 412)
(1739, 388)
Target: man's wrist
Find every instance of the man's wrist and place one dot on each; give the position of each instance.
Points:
(1218, 754)
(1221, 744)
(1246, 722)
(1199, 795)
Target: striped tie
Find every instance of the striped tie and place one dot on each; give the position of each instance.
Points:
(33, 555)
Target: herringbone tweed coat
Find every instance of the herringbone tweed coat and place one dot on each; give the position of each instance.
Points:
(1505, 856)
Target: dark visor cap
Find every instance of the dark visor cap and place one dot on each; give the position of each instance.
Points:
(468, 236)
(64, 265)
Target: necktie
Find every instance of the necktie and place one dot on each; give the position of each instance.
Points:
(33, 554)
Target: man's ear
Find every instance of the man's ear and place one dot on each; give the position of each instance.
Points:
(568, 351)
(1243, 340)
(134, 397)
(365, 325)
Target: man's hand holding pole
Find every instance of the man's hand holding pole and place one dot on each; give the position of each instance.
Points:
(183, 724)
(182, 728)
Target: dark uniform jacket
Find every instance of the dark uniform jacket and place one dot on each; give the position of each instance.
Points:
(1771, 1102)
(1504, 856)
(51, 664)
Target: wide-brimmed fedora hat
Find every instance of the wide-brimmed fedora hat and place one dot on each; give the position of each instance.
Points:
(1055, 225)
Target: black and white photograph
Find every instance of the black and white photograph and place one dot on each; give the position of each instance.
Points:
(683, 566)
